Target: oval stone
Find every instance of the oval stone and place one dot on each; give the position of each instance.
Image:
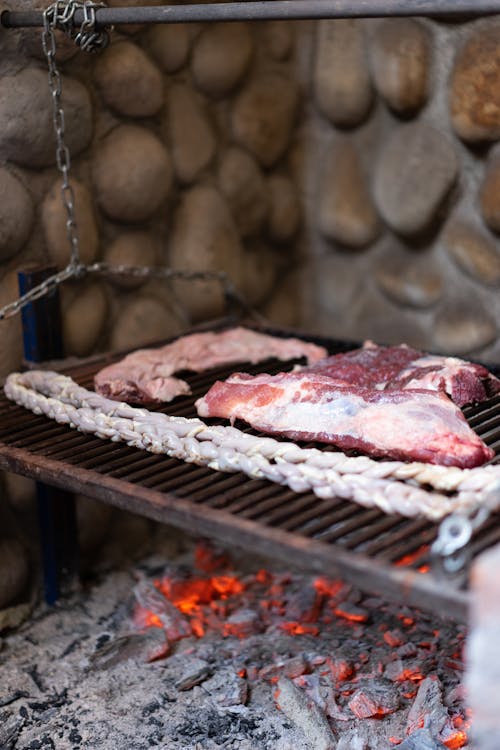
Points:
(415, 172)
(346, 212)
(341, 77)
(132, 249)
(88, 304)
(285, 305)
(264, 115)
(128, 81)
(475, 86)
(473, 251)
(204, 238)
(132, 174)
(142, 320)
(54, 219)
(242, 182)
(191, 134)
(221, 57)
(463, 327)
(408, 282)
(285, 212)
(489, 194)
(169, 44)
(401, 63)
(16, 214)
(26, 129)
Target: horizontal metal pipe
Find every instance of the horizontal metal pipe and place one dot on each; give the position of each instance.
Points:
(267, 10)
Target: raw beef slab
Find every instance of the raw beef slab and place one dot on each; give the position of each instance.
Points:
(414, 425)
(145, 376)
(401, 367)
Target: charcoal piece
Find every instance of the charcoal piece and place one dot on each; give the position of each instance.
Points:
(174, 623)
(243, 623)
(305, 714)
(295, 667)
(376, 699)
(10, 728)
(352, 612)
(354, 740)
(422, 739)
(195, 671)
(227, 688)
(427, 709)
(140, 647)
(304, 606)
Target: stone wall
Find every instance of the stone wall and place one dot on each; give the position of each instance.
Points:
(345, 174)
(403, 188)
(182, 142)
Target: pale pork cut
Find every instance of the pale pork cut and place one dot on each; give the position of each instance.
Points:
(402, 424)
(145, 376)
(401, 367)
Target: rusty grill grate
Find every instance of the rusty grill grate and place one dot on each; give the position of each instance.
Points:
(380, 553)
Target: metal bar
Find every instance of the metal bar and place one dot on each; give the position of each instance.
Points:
(267, 10)
(42, 339)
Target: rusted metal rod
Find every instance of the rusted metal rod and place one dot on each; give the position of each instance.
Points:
(266, 10)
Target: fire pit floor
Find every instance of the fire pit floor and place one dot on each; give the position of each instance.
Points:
(201, 653)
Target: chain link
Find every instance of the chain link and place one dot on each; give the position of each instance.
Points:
(61, 15)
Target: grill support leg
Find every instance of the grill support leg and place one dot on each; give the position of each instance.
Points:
(42, 339)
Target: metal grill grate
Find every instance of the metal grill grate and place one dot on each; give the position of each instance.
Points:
(380, 553)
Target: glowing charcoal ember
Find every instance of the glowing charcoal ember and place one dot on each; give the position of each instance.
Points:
(172, 621)
(209, 559)
(351, 612)
(374, 700)
(297, 628)
(456, 740)
(394, 638)
(340, 669)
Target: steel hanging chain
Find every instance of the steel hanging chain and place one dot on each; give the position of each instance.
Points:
(60, 15)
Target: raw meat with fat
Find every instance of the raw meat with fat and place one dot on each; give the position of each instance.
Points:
(403, 424)
(145, 376)
(401, 367)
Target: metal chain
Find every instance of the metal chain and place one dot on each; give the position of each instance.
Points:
(60, 15)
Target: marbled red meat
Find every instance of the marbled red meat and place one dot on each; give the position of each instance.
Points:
(401, 367)
(145, 376)
(414, 425)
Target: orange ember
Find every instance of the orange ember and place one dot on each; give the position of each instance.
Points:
(146, 619)
(297, 628)
(412, 556)
(413, 675)
(327, 587)
(456, 740)
(351, 616)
